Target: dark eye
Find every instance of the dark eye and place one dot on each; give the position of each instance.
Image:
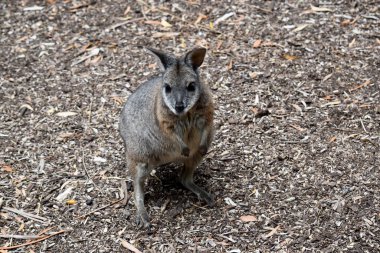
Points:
(167, 87)
(191, 86)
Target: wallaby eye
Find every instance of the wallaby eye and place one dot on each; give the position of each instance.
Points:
(191, 86)
(167, 87)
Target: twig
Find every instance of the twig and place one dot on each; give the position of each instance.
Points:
(27, 215)
(32, 242)
(100, 208)
(90, 113)
(45, 230)
(112, 27)
(365, 130)
(25, 237)
(85, 168)
(201, 207)
(226, 237)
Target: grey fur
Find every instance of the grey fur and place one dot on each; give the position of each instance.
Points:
(168, 119)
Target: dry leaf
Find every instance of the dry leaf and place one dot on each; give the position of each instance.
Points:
(71, 202)
(320, 9)
(248, 218)
(267, 44)
(352, 43)
(165, 23)
(255, 110)
(252, 75)
(229, 201)
(327, 77)
(332, 139)
(153, 22)
(272, 232)
(219, 44)
(63, 195)
(200, 18)
(298, 128)
(21, 227)
(257, 43)
(332, 103)
(118, 100)
(290, 57)
(98, 159)
(7, 168)
(297, 107)
(129, 246)
(183, 42)
(230, 65)
(300, 28)
(224, 17)
(361, 85)
(345, 22)
(34, 8)
(66, 114)
(65, 135)
(91, 53)
(94, 60)
(211, 25)
(26, 106)
(165, 34)
(127, 10)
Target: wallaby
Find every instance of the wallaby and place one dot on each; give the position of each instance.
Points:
(167, 119)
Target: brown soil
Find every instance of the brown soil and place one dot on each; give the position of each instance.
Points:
(298, 125)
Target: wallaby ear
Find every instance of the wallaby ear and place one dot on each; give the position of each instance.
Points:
(195, 57)
(163, 59)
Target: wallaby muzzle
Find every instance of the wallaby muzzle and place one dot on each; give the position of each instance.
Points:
(179, 107)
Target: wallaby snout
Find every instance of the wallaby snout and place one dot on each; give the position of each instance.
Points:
(179, 107)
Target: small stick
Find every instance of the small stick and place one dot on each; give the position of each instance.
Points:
(26, 215)
(112, 27)
(41, 234)
(90, 113)
(100, 208)
(32, 242)
(25, 237)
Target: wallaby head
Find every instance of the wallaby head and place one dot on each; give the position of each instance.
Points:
(181, 87)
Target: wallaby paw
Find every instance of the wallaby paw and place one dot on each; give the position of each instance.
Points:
(208, 198)
(203, 150)
(185, 151)
(142, 220)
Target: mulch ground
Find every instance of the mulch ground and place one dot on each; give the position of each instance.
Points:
(294, 165)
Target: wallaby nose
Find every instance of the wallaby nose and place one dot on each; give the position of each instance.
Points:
(179, 107)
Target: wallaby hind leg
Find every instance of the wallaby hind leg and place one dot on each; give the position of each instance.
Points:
(139, 172)
(187, 179)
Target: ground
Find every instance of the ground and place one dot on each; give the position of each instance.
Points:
(294, 165)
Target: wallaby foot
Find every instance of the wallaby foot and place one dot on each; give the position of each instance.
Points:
(142, 219)
(202, 194)
(187, 180)
(140, 172)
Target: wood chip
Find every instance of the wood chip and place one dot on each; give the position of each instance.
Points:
(129, 246)
(248, 218)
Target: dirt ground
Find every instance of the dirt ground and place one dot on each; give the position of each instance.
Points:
(294, 165)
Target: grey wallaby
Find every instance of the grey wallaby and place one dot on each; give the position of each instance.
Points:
(167, 119)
